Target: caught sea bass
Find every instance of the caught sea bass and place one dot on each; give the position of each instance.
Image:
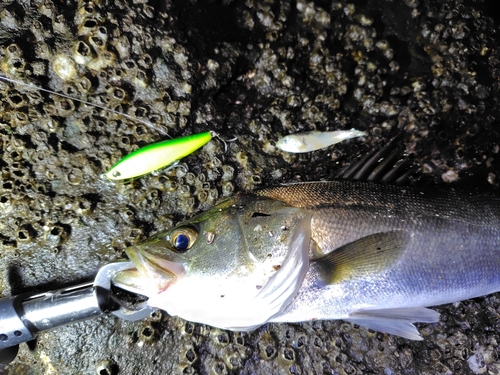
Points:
(371, 254)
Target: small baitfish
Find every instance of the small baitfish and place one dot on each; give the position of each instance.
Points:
(315, 140)
(371, 254)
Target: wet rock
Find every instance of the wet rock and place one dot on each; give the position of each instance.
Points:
(426, 71)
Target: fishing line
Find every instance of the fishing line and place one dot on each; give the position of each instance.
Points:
(132, 118)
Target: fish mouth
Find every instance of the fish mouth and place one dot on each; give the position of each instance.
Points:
(160, 272)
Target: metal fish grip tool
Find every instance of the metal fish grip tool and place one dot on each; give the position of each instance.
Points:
(23, 316)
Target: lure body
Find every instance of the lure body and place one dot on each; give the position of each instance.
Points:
(315, 140)
(156, 156)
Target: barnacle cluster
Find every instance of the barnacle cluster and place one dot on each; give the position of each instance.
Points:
(415, 81)
(427, 72)
(53, 144)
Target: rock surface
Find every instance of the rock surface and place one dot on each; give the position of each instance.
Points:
(426, 71)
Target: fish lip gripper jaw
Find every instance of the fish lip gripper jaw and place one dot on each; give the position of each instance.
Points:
(23, 316)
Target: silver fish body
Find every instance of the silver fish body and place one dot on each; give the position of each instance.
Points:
(315, 140)
(372, 254)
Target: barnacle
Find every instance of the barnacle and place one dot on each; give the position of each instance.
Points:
(141, 111)
(202, 196)
(228, 172)
(227, 188)
(103, 60)
(82, 206)
(102, 34)
(213, 195)
(117, 94)
(337, 66)
(190, 178)
(187, 205)
(75, 176)
(140, 78)
(153, 196)
(39, 68)
(146, 61)
(63, 106)
(171, 186)
(64, 67)
(15, 99)
(13, 62)
(148, 333)
(18, 118)
(56, 235)
(135, 234)
(82, 53)
(184, 190)
(106, 367)
(122, 46)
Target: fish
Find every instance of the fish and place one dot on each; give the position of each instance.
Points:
(371, 254)
(315, 140)
(156, 156)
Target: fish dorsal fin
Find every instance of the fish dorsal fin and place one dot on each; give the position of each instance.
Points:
(363, 257)
(396, 321)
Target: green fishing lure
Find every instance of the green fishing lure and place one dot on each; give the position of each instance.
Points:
(156, 156)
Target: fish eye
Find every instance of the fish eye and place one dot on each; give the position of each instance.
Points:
(181, 239)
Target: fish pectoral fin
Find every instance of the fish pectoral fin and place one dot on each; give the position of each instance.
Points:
(363, 257)
(285, 284)
(397, 321)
